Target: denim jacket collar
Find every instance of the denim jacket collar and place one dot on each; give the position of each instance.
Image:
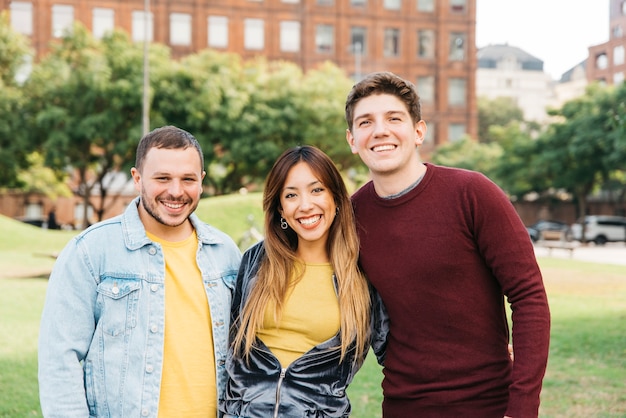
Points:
(135, 233)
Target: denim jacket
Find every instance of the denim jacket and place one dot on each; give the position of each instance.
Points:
(102, 327)
(314, 385)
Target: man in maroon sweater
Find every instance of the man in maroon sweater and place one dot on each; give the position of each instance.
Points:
(444, 247)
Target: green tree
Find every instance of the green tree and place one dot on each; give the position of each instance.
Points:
(85, 101)
(496, 112)
(575, 154)
(14, 148)
(470, 155)
(205, 93)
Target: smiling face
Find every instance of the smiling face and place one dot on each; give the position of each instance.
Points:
(385, 136)
(308, 207)
(170, 183)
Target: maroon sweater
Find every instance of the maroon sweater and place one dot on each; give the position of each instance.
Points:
(443, 257)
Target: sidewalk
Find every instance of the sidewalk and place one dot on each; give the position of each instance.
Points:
(612, 253)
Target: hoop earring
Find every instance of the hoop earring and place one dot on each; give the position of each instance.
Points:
(283, 223)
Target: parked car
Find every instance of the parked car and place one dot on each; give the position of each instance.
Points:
(600, 229)
(550, 230)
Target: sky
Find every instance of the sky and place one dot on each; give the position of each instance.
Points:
(558, 32)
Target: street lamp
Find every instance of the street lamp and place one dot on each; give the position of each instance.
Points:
(146, 69)
(357, 50)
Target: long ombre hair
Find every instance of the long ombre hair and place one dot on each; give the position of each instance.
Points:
(273, 277)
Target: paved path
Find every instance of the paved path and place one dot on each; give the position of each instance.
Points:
(612, 253)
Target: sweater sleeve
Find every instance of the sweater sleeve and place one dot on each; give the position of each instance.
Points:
(508, 252)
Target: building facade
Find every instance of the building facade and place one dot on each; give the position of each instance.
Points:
(607, 61)
(508, 71)
(430, 42)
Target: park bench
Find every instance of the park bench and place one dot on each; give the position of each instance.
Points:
(556, 240)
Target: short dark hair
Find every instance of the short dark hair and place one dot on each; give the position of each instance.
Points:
(384, 82)
(169, 137)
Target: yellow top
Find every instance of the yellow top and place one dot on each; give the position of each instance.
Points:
(188, 386)
(310, 315)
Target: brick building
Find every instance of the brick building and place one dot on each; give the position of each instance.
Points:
(430, 42)
(607, 61)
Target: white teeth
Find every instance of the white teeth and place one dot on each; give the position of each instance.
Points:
(309, 221)
(384, 148)
(173, 206)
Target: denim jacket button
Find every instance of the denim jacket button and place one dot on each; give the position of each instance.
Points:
(154, 287)
(145, 412)
(152, 251)
(154, 328)
(149, 368)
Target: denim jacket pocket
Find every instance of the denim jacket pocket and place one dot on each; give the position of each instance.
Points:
(117, 304)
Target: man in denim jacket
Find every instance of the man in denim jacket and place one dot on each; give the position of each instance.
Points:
(136, 316)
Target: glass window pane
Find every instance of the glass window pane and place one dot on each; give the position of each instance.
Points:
(254, 34)
(139, 26)
(618, 55)
(456, 131)
(457, 46)
(426, 5)
(22, 17)
(458, 6)
(62, 19)
(218, 32)
(180, 29)
(426, 43)
(392, 4)
(325, 39)
(391, 46)
(290, 36)
(426, 88)
(456, 91)
(103, 22)
(358, 40)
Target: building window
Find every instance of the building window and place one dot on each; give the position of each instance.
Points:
(391, 47)
(254, 34)
(618, 32)
(618, 78)
(426, 43)
(456, 91)
(456, 132)
(218, 32)
(426, 88)
(358, 40)
(325, 2)
(180, 29)
(358, 3)
(290, 36)
(458, 6)
(624, 8)
(457, 46)
(103, 22)
(62, 20)
(392, 4)
(142, 23)
(618, 55)
(426, 6)
(22, 17)
(324, 39)
(602, 61)
(431, 129)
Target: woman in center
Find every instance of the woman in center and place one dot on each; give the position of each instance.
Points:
(303, 314)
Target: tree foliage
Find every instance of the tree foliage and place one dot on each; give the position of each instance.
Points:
(85, 102)
(14, 148)
(500, 111)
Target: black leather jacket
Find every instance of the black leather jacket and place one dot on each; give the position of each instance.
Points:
(314, 385)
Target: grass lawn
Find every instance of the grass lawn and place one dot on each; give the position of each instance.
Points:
(586, 374)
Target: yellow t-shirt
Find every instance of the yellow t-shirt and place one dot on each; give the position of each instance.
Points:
(310, 316)
(188, 386)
